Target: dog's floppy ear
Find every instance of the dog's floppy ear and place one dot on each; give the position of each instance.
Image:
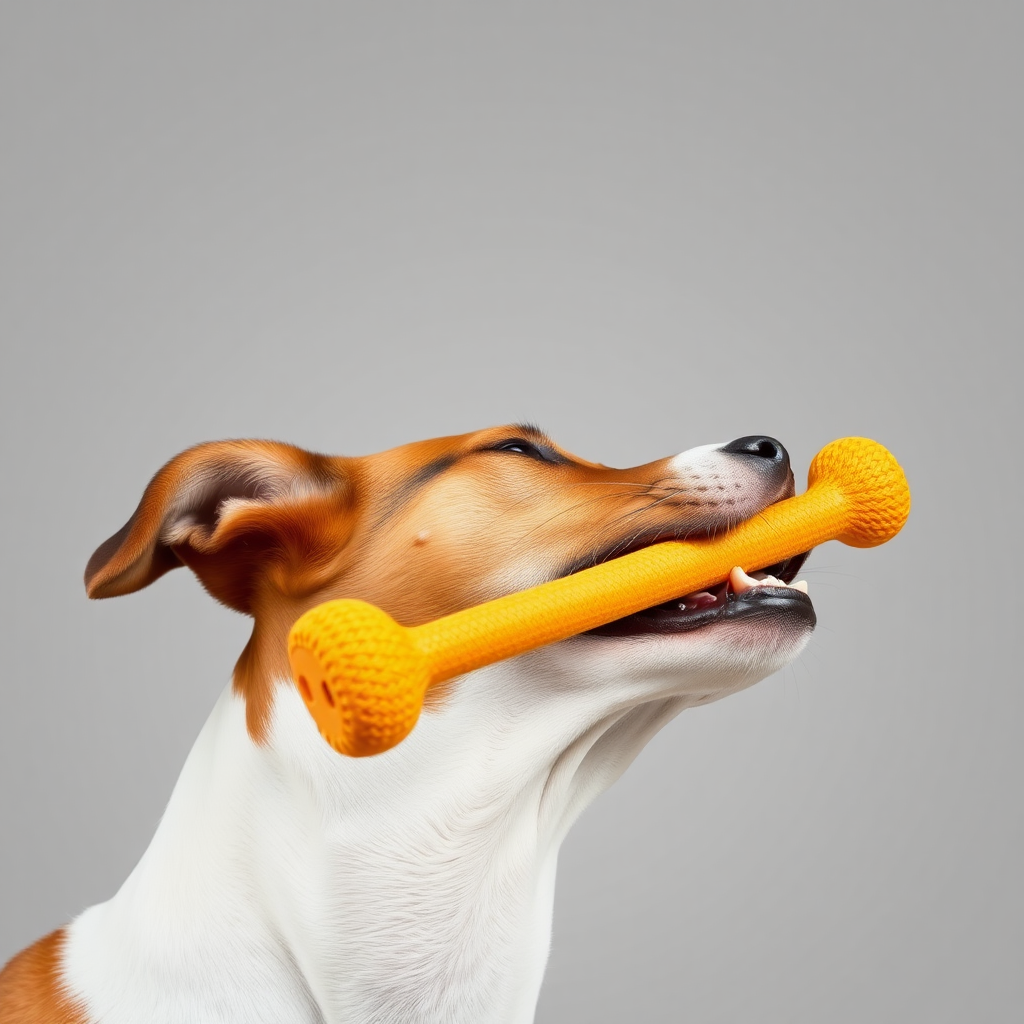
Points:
(236, 513)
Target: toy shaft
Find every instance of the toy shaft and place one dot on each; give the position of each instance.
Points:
(563, 607)
(363, 676)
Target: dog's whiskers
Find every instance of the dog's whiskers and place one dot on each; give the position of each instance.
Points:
(573, 508)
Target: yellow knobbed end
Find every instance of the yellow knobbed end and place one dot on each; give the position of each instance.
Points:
(871, 482)
(359, 673)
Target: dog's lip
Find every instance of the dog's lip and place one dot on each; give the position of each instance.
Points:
(619, 549)
(737, 597)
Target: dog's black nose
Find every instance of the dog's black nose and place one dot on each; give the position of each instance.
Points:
(774, 456)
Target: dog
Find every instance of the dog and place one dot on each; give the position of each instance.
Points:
(287, 884)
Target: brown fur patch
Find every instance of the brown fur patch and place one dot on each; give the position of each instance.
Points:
(31, 990)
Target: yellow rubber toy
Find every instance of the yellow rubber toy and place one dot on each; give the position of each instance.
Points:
(363, 676)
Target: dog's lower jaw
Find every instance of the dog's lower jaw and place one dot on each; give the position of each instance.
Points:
(287, 883)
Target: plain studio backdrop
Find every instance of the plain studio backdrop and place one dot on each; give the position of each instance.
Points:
(646, 227)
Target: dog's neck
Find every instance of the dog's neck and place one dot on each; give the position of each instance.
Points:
(416, 885)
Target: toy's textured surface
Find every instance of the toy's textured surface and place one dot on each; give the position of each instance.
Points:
(364, 677)
(361, 675)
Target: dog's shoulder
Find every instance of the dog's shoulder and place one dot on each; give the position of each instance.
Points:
(31, 991)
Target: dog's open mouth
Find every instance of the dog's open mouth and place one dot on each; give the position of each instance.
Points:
(769, 590)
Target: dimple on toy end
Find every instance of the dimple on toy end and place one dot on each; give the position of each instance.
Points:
(872, 484)
(362, 679)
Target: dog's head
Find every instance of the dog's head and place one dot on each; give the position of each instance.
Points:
(436, 526)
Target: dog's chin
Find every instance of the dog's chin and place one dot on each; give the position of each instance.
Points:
(744, 640)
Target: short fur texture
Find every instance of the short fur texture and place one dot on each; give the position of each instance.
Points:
(288, 885)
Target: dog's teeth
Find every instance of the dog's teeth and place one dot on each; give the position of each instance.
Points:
(740, 581)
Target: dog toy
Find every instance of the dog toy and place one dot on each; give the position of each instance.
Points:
(363, 676)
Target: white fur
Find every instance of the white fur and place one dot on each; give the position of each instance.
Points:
(293, 886)
(703, 470)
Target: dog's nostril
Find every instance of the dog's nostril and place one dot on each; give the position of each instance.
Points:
(328, 696)
(760, 447)
(307, 695)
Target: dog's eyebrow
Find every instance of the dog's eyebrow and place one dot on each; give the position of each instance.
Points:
(405, 491)
(533, 430)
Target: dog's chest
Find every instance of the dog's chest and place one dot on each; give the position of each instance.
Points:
(287, 883)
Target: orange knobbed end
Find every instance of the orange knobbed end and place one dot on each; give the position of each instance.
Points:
(872, 485)
(360, 674)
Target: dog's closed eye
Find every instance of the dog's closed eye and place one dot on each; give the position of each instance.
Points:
(540, 452)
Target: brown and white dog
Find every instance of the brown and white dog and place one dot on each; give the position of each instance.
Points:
(289, 885)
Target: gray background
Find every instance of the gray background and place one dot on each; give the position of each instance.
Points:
(646, 226)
